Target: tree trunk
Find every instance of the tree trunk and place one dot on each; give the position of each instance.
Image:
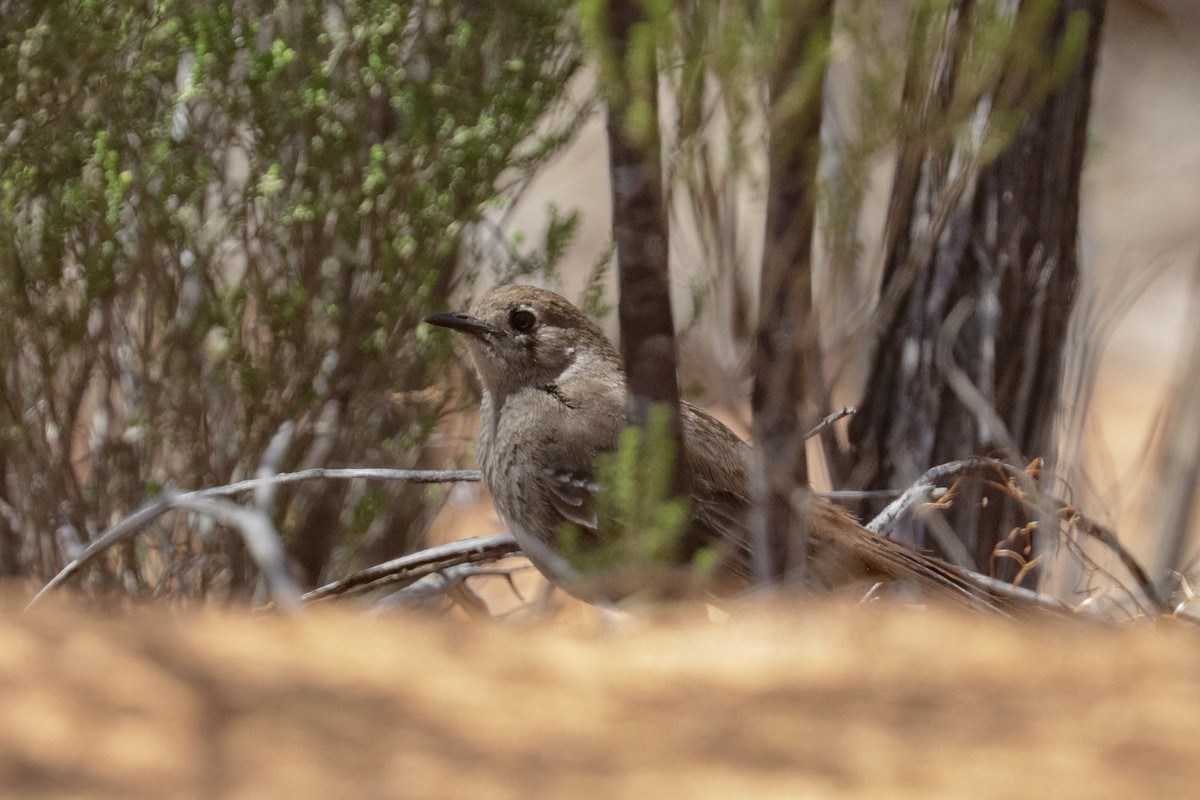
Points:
(978, 288)
(787, 358)
(640, 230)
(10, 540)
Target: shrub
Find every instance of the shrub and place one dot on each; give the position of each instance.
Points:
(215, 218)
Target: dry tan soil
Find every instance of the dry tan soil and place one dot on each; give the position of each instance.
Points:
(824, 702)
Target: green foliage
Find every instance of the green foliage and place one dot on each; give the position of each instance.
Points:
(592, 300)
(628, 68)
(545, 259)
(639, 523)
(215, 217)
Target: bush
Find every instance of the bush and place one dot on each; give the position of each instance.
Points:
(215, 218)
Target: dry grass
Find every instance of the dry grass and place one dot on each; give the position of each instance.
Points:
(786, 703)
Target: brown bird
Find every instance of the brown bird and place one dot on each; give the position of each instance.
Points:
(554, 400)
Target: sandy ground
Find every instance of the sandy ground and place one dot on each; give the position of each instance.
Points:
(811, 703)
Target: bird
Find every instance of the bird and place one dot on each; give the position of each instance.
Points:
(553, 401)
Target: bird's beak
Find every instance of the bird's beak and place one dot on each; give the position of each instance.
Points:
(462, 321)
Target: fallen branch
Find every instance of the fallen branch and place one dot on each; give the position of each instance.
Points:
(171, 498)
(414, 566)
(438, 591)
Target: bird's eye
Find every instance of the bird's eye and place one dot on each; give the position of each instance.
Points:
(522, 320)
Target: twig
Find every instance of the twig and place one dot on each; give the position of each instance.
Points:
(268, 467)
(1019, 593)
(160, 504)
(1067, 513)
(864, 494)
(451, 584)
(1109, 539)
(844, 411)
(922, 488)
(126, 527)
(364, 473)
(261, 539)
(417, 565)
(1093, 530)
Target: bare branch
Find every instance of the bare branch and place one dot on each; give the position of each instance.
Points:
(364, 473)
(449, 586)
(1109, 539)
(923, 488)
(844, 411)
(126, 527)
(261, 538)
(412, 567)
(1020, 593)
(157, 506)
(264, 494)
(866, 494)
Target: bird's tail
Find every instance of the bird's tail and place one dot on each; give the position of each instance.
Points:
(834, 528)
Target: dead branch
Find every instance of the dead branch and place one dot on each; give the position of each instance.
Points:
(169, 499)
(1034, 497)
(440, 590)
(262, 541)
(846, 495)
(922, 489)
(414, 566)
(1020, 594)
(844, 411)
(363, 473)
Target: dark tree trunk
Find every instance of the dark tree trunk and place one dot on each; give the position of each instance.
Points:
(974, 315)
(10, 540)
(787, 363)
(640, 230)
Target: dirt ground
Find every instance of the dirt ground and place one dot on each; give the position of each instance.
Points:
(814, 703)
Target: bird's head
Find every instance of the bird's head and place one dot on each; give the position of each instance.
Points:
(523, 336)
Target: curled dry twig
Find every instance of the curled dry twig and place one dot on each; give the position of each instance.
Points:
(1033, 497)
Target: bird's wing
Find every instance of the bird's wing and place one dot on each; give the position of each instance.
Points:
(572, 493)
(571, 442)
(841, 550)
(717, 463)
